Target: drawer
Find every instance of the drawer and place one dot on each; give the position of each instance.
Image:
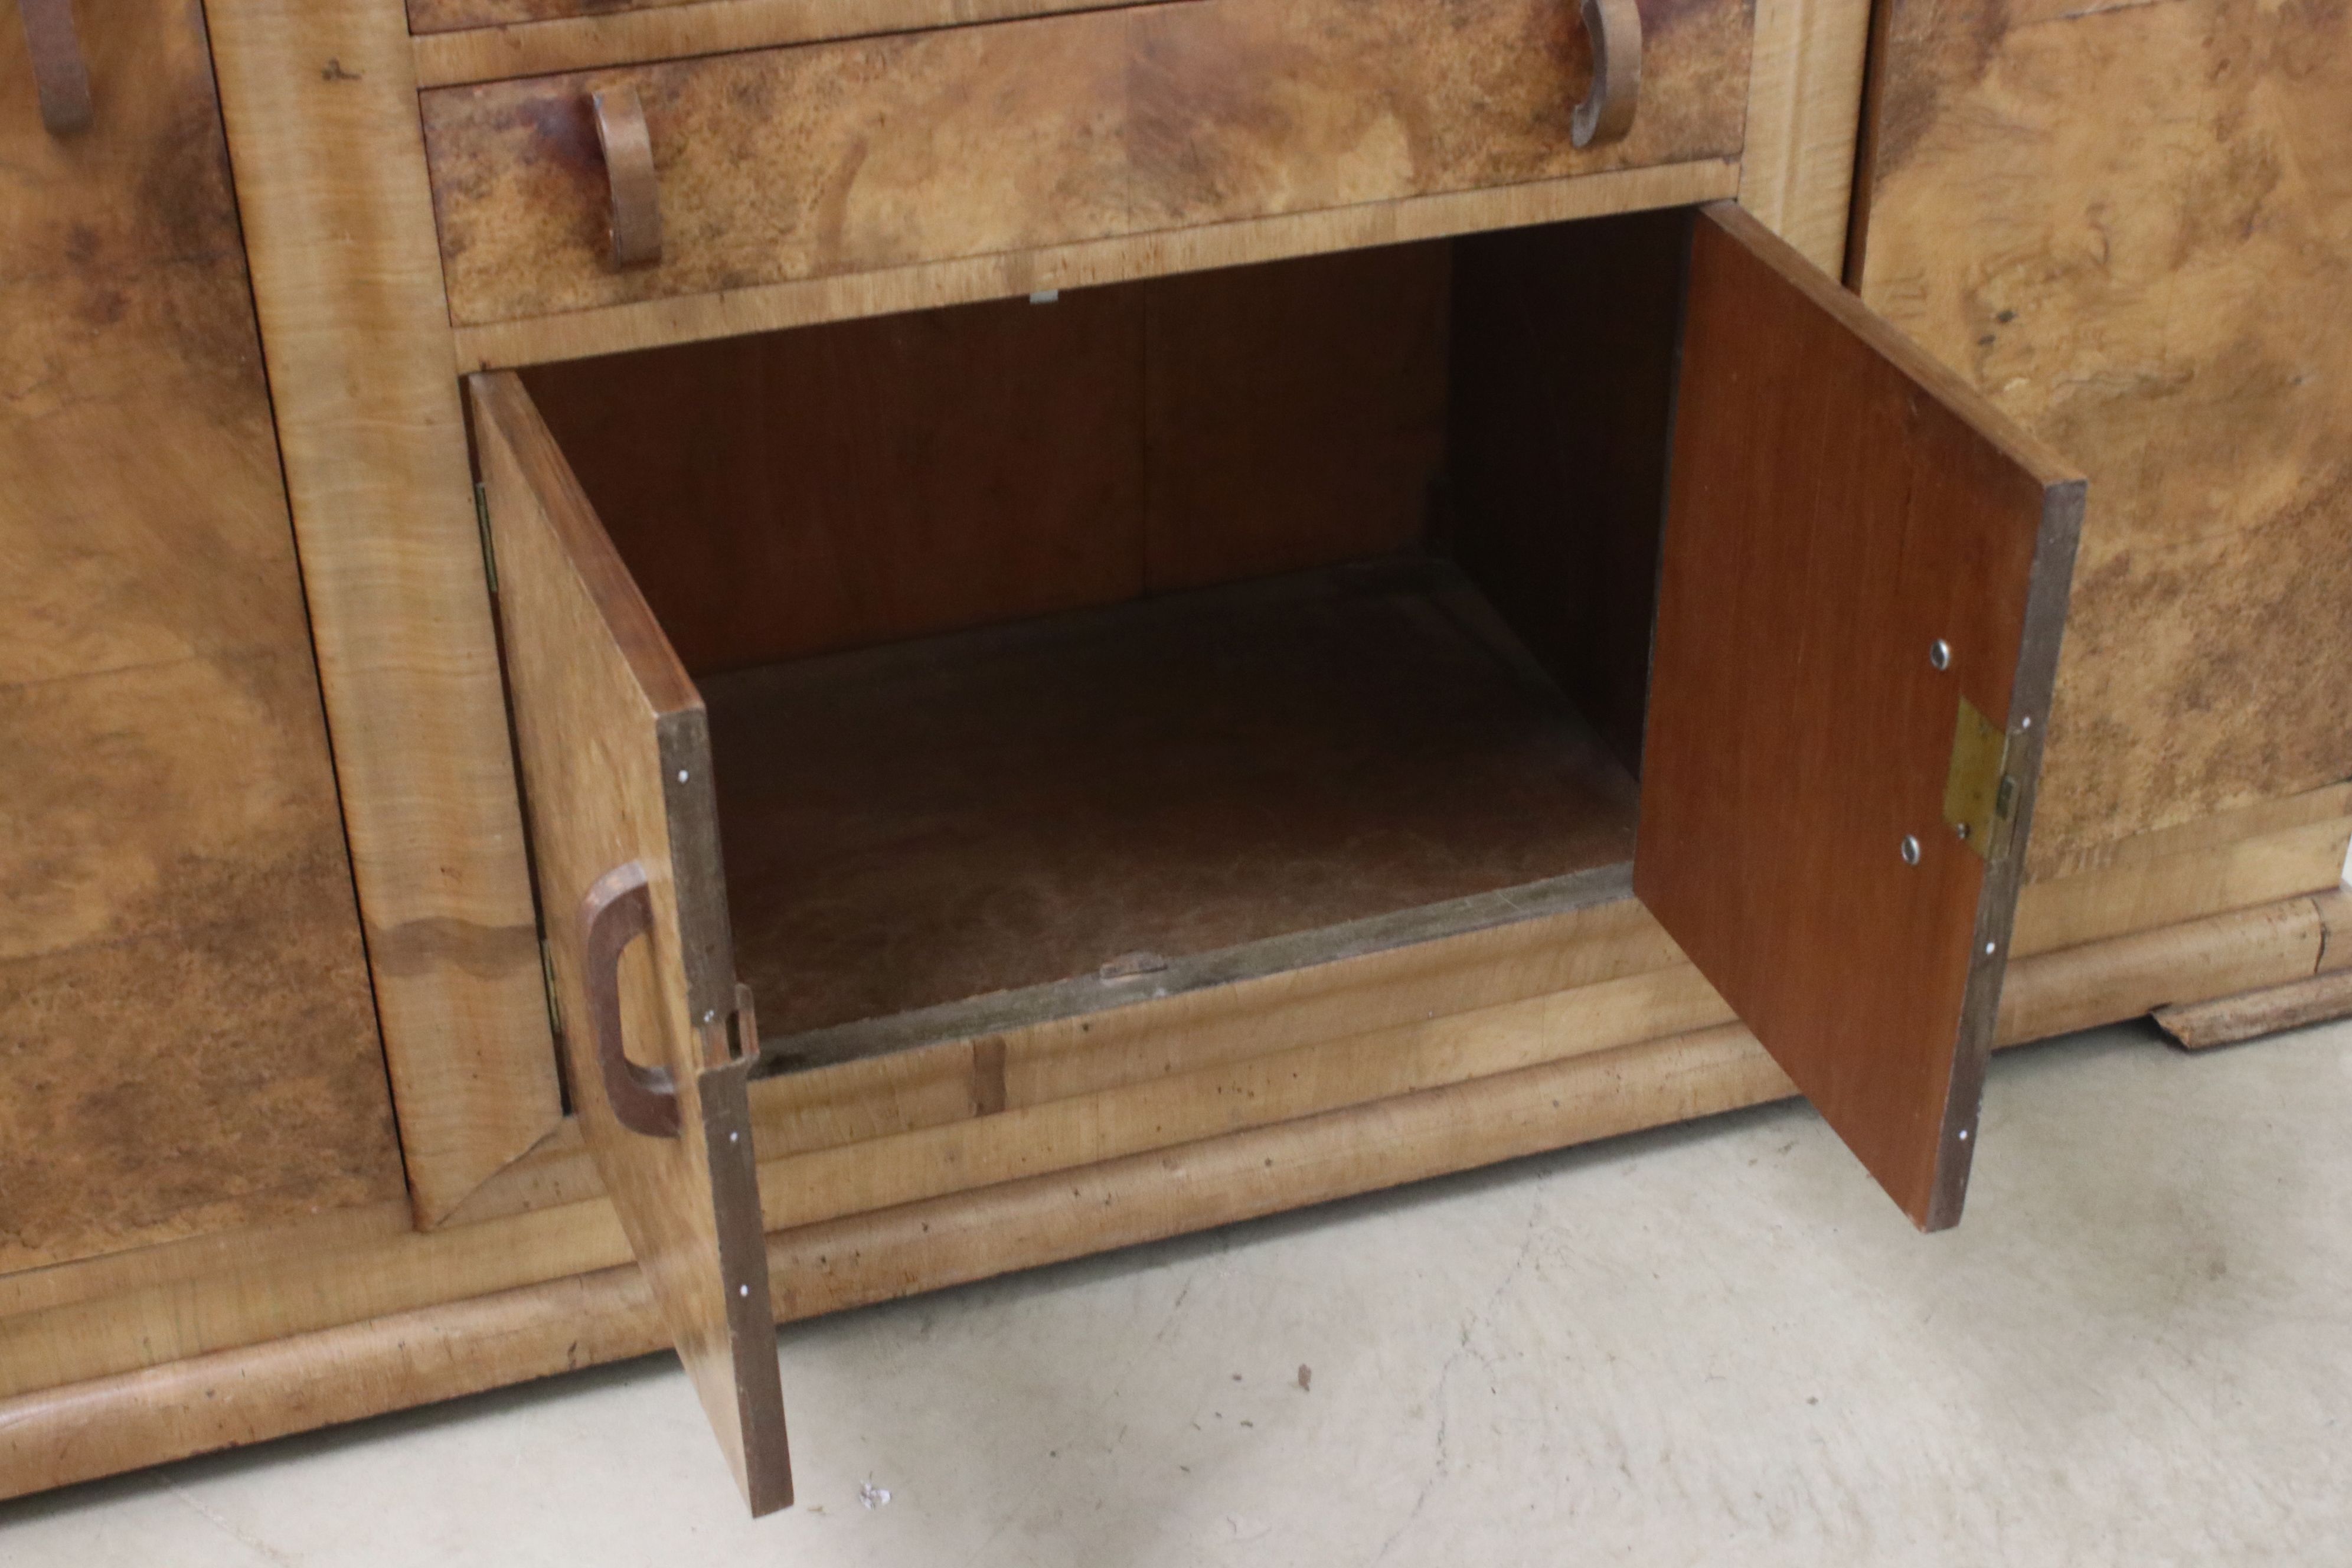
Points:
(778, 166)
(992, 680)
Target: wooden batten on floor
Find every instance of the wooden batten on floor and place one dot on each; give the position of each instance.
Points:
(2230, 1020)
(103, 1424)
(2233, 1020)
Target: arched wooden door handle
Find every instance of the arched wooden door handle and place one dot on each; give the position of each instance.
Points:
(1614, 27)
(60, 78)
(617, 911)
(629, 169)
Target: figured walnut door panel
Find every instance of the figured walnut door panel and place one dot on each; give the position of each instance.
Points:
(2132, 229)
(189, 1042)
(1859, 553)
(616, 774)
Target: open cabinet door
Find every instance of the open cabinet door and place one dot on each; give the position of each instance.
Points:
(1862, 586)
(617, 771)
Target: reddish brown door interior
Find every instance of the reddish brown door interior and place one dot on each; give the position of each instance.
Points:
(1864, 581)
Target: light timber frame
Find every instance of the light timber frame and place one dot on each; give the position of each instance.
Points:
(178, 1349)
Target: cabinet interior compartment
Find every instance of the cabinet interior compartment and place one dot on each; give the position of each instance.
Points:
(1059, 653)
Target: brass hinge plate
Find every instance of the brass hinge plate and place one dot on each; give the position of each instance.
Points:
(1979, 797)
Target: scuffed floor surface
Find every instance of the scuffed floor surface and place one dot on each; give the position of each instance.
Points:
(1716, 1344)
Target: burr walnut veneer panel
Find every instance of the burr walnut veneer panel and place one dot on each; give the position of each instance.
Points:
(186, 1036)
(2130, 226)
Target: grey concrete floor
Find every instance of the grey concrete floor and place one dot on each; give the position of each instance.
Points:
(1713, 1344)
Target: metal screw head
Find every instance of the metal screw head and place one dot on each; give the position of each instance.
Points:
(1910, 850)
(1939, 654)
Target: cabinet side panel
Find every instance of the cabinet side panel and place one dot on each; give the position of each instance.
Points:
(1556, 463)
(2129, 227)
(186, 1023)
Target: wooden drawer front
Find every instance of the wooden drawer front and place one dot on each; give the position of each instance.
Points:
(793, 163)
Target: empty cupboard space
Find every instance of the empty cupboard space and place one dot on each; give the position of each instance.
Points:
(1051, 645)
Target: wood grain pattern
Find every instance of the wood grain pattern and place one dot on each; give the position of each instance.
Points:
(1804, 117)
(2141, 894)
(321, 120)
(2128, 226)
(883, 152)
(498, 41)
(856, 482)
(1098, 1086)
(616, 770)
(2254, 1015)
(55, 1436)
(179, 944)
(1838, 502)
(927, 823)
(806, 17)
(2312, 808)
(842, 485)
(1295, 413)
(692, 318)
(114, 1314)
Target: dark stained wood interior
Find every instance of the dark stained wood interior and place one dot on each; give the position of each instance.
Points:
(1563, 369)
(1297, 413)
(1037, 635)
(863, 481)
(848, 484)
(921, 823)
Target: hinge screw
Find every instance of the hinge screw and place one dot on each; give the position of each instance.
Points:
(1910, 850)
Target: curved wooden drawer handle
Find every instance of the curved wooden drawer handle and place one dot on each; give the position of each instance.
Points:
(629, 166)
(617, 911)
(60, 78)
(1614, 26)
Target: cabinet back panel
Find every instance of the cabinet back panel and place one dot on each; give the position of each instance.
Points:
(850, 484)
(801, 491)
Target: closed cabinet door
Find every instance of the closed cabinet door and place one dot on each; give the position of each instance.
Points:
(1863, 580)
(658, 1040)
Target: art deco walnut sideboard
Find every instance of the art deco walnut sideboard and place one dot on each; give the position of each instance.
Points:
(676, 663)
